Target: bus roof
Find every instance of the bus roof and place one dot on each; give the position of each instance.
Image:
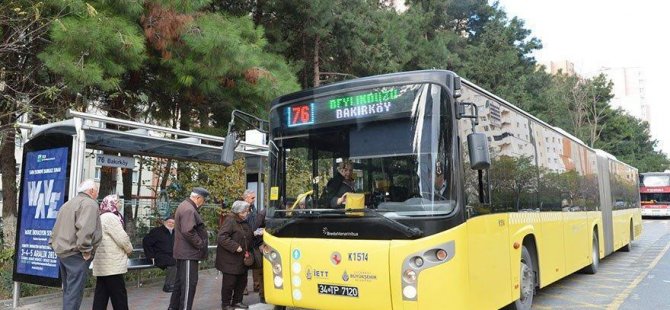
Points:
(440, 77)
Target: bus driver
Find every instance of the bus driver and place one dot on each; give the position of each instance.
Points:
(342, 183)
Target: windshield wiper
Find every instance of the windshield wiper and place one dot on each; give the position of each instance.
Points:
(411, 232)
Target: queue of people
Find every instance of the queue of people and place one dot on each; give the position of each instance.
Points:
(87, 233)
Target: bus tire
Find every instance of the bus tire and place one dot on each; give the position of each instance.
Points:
(629, 245)
(527, 285)
(595, 256)
(279, 308)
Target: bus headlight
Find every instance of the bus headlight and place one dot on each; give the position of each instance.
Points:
(409, 276)
(419, 261)
(441, 254)
(276, 268)
(409, 292)
(275, 261)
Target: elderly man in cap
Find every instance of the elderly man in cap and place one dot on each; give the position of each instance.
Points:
(190, 246)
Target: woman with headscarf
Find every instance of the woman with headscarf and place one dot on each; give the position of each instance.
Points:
(233, 243)
(111, 258)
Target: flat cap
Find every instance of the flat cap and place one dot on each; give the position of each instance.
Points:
(201, 191)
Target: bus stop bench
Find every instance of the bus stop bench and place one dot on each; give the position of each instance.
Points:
(140, 264)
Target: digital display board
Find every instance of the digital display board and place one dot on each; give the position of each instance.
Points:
(378, 102)
(301, 114)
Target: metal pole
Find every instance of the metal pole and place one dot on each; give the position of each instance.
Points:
(17, 292)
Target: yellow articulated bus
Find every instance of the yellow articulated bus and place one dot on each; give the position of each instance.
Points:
(420, 190)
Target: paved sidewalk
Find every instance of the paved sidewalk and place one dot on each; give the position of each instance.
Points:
(150, 296)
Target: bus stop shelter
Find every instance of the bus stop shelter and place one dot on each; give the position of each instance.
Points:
(82, 131)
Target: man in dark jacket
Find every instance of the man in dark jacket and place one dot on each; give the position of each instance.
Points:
(335, 193)
(256, 221)
(190, 246)
(158, 245)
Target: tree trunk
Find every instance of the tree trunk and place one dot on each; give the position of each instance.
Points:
(315, 63)
(9, 186)
(258, 13)
(127, 177)
(108, 178)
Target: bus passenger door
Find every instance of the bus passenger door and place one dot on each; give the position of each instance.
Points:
(489, 247)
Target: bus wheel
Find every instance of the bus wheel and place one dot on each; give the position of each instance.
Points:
(629, 246)
(595, 256)
(527, 286)
(280, 308)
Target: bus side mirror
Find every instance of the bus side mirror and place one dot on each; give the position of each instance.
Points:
(478, 148)
(228, 151)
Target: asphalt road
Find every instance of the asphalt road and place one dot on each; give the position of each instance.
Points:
(639, 279)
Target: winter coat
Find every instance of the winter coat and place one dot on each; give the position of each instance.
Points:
(158, 244)
(256, 220)
(190, 233)
(111, 257)
(77, 228)
(233, 234)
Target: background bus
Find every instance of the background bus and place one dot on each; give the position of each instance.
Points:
(436, 223)
(655, 193)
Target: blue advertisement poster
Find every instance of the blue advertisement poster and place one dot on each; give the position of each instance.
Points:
(44, 184)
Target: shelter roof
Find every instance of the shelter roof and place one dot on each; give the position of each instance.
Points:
(123, 136)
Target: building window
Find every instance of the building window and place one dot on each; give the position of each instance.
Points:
(136, 176)
(97, 174)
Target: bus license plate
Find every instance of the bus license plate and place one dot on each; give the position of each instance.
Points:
(338, 290)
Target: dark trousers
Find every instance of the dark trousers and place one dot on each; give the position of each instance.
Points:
(232, 288)
(110, 287)
(184, 286)
(170, 277)
(257, 275)
(73, 271)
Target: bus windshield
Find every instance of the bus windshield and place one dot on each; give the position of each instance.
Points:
(655, 180)
(395, 165)
(655, 198)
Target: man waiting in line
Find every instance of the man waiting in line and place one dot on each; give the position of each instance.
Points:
(256, 221)
(74, 238)
(158, 245)
(190, 246)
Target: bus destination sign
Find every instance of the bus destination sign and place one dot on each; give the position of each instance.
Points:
(378, 102)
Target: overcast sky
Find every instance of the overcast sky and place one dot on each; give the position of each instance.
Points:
(597, 33)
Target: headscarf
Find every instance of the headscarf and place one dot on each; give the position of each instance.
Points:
(109, 204)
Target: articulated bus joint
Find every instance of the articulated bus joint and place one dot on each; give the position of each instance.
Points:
(275, 261)
(422, 260)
